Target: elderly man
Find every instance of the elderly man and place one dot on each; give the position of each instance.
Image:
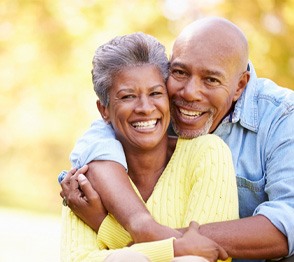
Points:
(214, 89)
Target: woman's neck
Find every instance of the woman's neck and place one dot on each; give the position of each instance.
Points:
(146, 166)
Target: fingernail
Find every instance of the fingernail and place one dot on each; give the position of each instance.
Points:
(81, 177)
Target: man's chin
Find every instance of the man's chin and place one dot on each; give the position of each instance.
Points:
(189, 133)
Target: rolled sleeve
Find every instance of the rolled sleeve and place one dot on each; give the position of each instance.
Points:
(280, 179)
(98, 143)
(279, 213)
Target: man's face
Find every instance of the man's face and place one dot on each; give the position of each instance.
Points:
(203, 84)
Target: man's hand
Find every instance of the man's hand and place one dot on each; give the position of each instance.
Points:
(193, 243)
(83, 200)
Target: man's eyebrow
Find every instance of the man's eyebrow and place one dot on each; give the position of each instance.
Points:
(178, 64)
(203, 71)
(212, 72)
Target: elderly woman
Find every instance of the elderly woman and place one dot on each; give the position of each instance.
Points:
(178, 180)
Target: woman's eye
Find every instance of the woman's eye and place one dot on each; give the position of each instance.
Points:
(156, 93)
(125, 97)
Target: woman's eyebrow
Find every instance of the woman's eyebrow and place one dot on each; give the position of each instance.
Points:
(129, 90)
(156, 86)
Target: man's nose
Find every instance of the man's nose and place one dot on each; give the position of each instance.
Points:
(192, 90)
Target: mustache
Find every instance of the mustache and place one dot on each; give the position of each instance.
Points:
(194, 106)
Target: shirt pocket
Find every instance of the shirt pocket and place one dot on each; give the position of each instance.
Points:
(251, 194)
(254, 186)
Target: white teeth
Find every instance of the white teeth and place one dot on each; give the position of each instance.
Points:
(190, 113)
(145, 125)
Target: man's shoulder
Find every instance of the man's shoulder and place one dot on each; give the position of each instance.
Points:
(264, 89)
(274, 94)
(263, 101)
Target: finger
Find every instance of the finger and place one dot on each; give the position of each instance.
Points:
(70, 186)
(87, 188)
(73, 184)
(65, 181)
(223, 255)
(68, 176)
(61, 194)
(194, 225)
(74, 178)
(84, 169)
(79, 171)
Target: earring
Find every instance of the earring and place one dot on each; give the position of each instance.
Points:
(104, 118)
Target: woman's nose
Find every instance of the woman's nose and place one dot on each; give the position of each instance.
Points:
(145, 105)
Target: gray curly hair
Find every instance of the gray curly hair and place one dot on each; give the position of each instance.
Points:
(121, 52)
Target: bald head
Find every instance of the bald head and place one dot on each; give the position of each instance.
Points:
(208, 75)
(218, 35)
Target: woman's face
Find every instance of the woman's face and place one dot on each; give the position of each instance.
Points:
(138, 107)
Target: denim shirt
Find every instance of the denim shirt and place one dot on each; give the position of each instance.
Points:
(260, 134)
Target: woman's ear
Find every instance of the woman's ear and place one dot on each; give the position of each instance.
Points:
(103, 111)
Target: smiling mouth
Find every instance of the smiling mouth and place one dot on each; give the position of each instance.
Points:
(145, 124)
(190, 114)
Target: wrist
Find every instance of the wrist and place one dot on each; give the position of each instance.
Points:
(146, 229)
(178, 247)
(142, 228)
(98, 221)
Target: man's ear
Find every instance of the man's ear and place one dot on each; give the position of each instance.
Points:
(243, 81)
(103, 111)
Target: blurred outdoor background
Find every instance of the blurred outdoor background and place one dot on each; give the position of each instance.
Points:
(47, 100)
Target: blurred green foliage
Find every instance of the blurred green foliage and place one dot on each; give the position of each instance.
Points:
(46, 49)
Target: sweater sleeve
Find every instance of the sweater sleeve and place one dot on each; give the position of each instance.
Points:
(213, 195)
(79, 242)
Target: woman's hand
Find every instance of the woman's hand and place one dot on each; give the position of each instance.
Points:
(82, 199)
(193, 243)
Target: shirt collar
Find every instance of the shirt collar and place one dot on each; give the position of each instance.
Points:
(245, 110)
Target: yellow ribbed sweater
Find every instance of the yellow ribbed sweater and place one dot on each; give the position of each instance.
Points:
(198, 184)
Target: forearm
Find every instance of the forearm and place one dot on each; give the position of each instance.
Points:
(252, 238)
(118, 196)
(112, 184)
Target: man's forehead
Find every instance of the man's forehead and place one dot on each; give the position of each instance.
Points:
(201, 68)
(201, 55)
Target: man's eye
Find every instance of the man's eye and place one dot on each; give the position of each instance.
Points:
(178, 73)
(212, 81)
